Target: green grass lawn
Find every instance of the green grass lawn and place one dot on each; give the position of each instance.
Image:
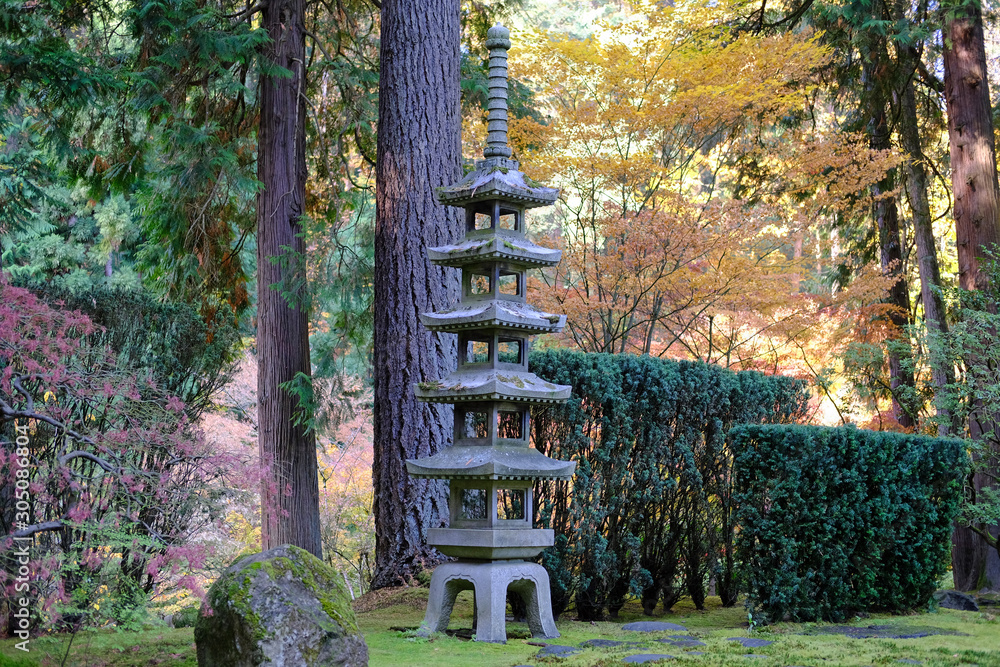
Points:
(978, 645)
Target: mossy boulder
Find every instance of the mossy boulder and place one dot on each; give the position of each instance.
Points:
(280, 607)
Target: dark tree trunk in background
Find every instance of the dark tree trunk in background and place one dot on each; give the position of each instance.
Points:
(419, 149)
(290, 490)
(970, 134)
(927, 260)
(977, 226)
(886, 215)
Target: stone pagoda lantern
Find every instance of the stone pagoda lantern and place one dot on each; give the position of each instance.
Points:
(490, 466)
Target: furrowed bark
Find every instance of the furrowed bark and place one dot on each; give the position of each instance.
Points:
(290, 488)
(977, 228)
(419, 149)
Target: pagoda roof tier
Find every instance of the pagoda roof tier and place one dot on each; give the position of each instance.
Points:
(497, 178)
(497, 462)
(494, 314)
(495, 246)
(491, 384)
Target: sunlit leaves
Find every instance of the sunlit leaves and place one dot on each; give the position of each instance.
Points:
(689, 183)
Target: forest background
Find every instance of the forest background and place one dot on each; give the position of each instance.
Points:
(754, 185)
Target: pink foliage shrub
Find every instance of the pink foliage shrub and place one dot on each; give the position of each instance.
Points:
(347, 495)
(114, 479)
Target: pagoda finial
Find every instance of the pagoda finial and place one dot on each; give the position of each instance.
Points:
(498, 42)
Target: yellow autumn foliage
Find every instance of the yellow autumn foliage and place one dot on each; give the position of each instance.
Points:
(696, 167)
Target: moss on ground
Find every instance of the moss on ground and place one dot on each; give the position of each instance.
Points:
(713, 626)
(107, 647)
(404, 608)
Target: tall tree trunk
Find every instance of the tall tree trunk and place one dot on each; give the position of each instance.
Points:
(290, 488)
(942, 374)
(977, 225)
(419, 149)
(886, 215)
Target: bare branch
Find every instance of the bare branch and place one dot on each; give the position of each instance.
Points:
(790, 19)
(78, 454)
(929, 78)
(7, 413)
(47, 526)
(249, 11)
(319, 44)
(987, 537)
(16, 383)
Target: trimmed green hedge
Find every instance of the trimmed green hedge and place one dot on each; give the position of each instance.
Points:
(649, 511)
(839, 520)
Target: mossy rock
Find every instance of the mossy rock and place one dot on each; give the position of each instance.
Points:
(279, 607)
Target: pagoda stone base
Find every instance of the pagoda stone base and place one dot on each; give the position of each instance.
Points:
(490, 581)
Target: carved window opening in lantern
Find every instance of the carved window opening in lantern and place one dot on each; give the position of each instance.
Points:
(476, 350)
(511, 285)
(477, 425)
(474, 504)
(509, 220)
(512, 424)
(482, 221)
(492, 215)
(510, 351)
(477, 284)
(511, 504)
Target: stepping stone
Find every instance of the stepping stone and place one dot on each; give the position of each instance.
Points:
(653, 626)
(601, 643)
(751, 642)
(640, 658)
(909, 661)
(956, 600)
(682, 642)
(884, 631)
(557, 650)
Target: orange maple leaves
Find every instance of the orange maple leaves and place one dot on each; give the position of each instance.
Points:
(695, 171)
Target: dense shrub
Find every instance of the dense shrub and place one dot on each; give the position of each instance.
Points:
(649, 511)
(839, 520)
